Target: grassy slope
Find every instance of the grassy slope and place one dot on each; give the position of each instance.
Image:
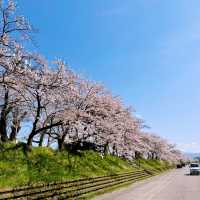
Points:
(47, 165)
(153, 164)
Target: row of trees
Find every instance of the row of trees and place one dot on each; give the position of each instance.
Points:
(61, 107)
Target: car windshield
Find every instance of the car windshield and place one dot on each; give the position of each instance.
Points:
(194, 165)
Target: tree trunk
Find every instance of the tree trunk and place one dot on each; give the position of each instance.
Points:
(3, 130)
(14, 131)
(48, 141)
(3, 119)
(41, 139)
(37, 117)
(105, 151)
(60, 144)
(115, 150)
(137, 155)
(15, 125)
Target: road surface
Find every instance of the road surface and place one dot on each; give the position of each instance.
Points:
(173, 185)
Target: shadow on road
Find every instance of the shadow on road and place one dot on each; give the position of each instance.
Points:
(188, 174)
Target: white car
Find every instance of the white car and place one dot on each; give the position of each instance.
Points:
(194, 169)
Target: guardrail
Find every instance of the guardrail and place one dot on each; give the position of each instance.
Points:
(73, 189)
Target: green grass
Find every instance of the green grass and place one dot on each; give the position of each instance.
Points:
(153, 164)
(42, 164)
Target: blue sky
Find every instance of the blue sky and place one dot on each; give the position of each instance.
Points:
(146, 51)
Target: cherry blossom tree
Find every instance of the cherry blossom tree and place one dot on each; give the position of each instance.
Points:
(14, 29)
(62, 107)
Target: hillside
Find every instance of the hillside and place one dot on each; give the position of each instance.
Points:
(46, 165)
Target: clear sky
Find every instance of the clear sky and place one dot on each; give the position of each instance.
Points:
(147, 51)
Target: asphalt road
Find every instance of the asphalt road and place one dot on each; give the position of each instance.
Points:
(173, 185)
